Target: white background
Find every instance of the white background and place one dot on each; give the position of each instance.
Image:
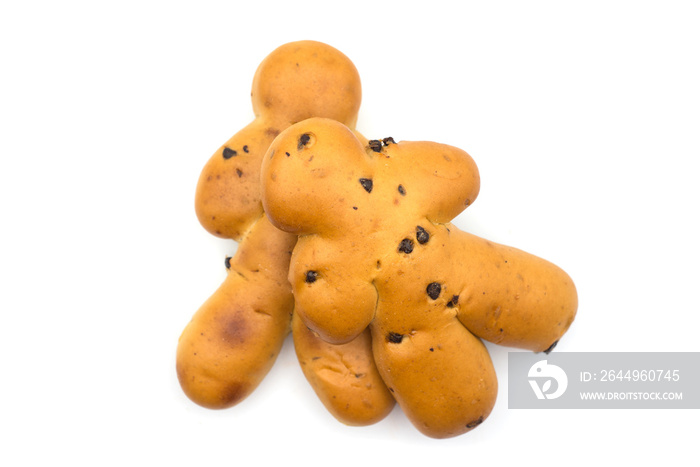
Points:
(583, 118)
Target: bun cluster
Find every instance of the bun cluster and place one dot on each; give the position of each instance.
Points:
(348, 243)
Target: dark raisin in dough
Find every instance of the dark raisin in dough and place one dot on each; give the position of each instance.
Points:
(311, 277)
(433, 290)
(422, 235)
(406, 245)
(375, 145)
(551, 347)
(453, 303)
(394, 337)
(366, 184)
(303, 140)
(476, 422)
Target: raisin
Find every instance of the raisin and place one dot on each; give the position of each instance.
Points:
(245, 148)
(476, 422)
(287, 154)
(311, 277)
(388, 141)
(406, 245)
(453, 303)
(239, 172)
(375, 145)
(422, 235)
(303, 140)
(402, 190)
(394, 337)
(229, 153)
(366, 184)
(227, 262)
(433, 290)
(551, 347)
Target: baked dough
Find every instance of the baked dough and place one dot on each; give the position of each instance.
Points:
(236, 335)
(377, 249)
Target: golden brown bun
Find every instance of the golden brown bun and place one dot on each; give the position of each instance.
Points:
(235, 337)
(376, 249)
(296, 81)
(305, 79)
(345, 380)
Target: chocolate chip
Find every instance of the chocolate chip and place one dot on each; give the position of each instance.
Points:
(422, 235)
(366, 184)
(245, 148)
(453, 303)
(551, 347)
(227, 262)
(388, 141)
(394, 338)
(311, 277)
(229, 153)
(402, 190)
(433, 290)
(406, 245)
(476, 422)
(303, 140)
(239, 172)
(375, 145)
